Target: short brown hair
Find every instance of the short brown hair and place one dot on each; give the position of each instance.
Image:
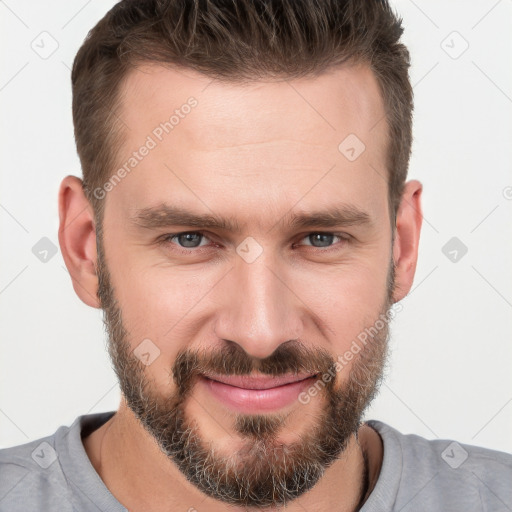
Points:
(237, 40)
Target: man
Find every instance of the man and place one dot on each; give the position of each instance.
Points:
(245, 223)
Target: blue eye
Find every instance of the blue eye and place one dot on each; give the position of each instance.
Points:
(187, 240)
(323, 239)
(320, 240)
(193, 240)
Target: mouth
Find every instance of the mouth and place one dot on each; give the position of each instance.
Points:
(261, 393)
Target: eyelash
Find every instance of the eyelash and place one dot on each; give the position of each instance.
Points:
(168, 237)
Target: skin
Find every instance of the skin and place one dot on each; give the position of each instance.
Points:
(272, 149)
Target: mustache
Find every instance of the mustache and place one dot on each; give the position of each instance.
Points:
(289, 357)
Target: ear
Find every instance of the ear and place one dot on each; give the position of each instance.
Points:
(77, 239)
(407, 237)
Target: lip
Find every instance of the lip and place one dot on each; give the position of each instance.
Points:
(252, 394)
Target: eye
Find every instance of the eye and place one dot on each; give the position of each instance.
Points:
(319, 240)
(192, 240)
(186, 240)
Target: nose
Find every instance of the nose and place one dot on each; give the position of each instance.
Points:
(258, 309)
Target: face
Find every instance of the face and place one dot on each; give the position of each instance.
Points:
(242, 257)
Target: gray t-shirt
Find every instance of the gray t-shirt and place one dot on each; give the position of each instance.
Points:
(54, 473)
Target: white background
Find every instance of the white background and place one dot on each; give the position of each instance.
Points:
(450, 368)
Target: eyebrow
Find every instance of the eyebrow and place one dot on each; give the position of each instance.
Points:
(166, 215)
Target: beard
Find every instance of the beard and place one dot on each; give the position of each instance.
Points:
(263, 472)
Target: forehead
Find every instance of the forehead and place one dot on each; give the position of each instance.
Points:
(266, 140)
(344, 97)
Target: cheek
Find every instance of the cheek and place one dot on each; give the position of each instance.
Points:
(157, 301)
(345, 299)
(162, 304)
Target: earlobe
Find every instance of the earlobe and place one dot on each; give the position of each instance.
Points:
(77, 239)
(405, 247)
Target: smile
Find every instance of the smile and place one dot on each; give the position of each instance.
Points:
(256, 394)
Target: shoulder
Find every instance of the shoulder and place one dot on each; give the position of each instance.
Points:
(445, 474)
(27, 472)
(37, 475)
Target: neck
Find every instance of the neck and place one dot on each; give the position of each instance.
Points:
(141, 477)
